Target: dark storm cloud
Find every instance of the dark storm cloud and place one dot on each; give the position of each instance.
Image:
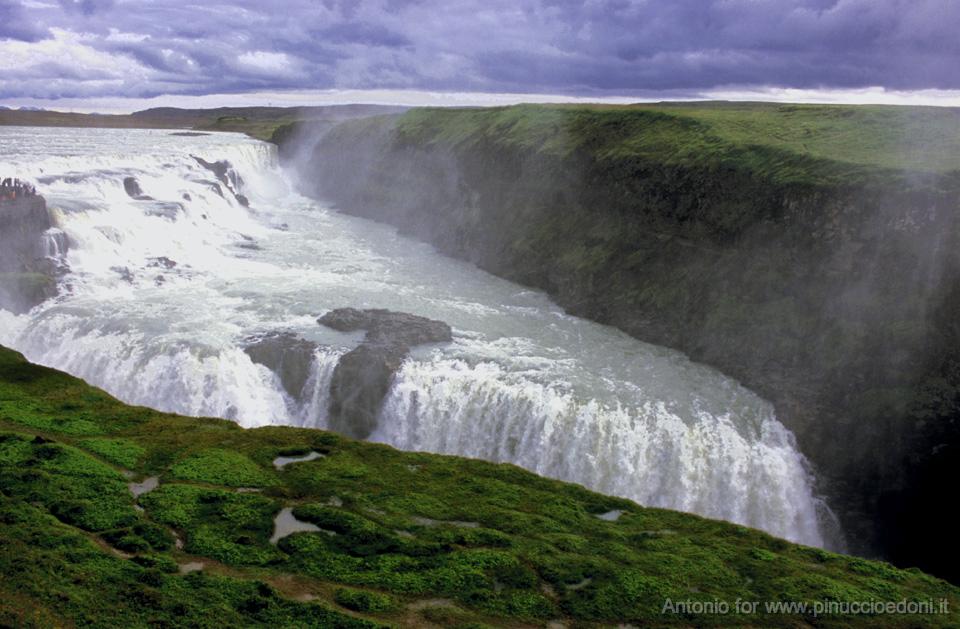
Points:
(15, 24)
(86, 7)
(559, 46)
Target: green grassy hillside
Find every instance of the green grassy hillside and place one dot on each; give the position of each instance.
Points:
(408, 539)
(910, 138)
(786, 144)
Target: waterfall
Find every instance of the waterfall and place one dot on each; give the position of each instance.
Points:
(647, 452)
(166, 280)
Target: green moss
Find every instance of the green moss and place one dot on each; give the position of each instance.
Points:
(227, 526)
(122, 452)
(73, 486)
(222, 467)
(762, 555)
(163, 563)
(54, 576)
(141, 537)
(364, 600)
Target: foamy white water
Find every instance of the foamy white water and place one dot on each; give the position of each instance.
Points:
(162, 293)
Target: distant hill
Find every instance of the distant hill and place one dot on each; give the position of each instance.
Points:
(259, 122)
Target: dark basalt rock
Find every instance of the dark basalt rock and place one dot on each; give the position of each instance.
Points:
(30, 254)
(227, 176)
(287, 355)
(163, 209)
(133, 189)
(359, 385)
(388, 327)
(248, 243)
(162, 261)
(363, 376)
(220, 169)
(124, 272)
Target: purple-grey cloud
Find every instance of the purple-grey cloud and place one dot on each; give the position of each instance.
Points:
(559, 46)
(86, 7)
(16, 25)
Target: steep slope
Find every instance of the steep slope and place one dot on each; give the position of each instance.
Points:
(810, 252)
(396, 538)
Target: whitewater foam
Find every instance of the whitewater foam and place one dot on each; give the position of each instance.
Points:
(162, 291)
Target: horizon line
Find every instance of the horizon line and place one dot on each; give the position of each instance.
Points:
(115, 105)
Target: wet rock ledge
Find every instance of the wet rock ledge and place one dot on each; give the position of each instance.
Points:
(28, 270)
(363, 376)
(285, 354)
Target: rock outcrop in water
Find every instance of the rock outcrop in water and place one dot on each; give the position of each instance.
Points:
(227, 176)
(27, 272)
(287, 355)
(363, 376)
(132, 187)
(823, 285)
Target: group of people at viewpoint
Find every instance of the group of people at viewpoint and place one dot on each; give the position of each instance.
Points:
(13, 188)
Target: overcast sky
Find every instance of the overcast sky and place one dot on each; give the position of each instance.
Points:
(118, 54)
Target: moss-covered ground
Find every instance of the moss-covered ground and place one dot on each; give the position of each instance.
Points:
(406, 539)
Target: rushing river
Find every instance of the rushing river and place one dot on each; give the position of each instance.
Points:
(163, 291)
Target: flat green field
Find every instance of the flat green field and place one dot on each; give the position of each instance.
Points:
(785, 144)
(909, 138)
(398, 539)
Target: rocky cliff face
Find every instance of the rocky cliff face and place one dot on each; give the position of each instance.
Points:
(27, 272)
(833, 295)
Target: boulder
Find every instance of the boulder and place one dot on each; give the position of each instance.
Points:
(133, 189)
(363, 376)
(361, 381)
(287, 355)
(386, 326)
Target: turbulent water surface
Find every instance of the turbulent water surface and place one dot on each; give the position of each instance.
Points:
(163, 291)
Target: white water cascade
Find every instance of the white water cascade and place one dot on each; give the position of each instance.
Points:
(164, 289)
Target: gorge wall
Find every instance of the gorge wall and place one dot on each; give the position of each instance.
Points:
(827, 286)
